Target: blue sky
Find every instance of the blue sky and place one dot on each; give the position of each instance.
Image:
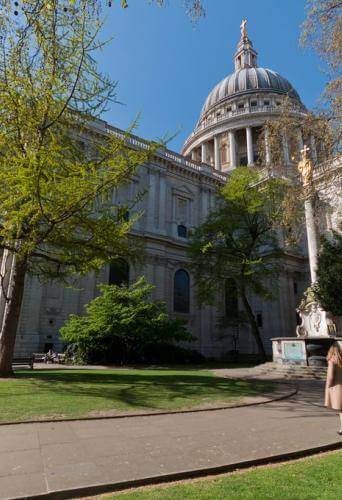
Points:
(165, 67)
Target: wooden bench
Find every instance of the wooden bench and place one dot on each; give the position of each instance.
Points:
(23, 361)
(61, 358)
(39, 357)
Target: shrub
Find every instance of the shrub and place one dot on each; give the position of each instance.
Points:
(329, 283)
(122, 319)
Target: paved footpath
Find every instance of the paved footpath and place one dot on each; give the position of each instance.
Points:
(45, 457)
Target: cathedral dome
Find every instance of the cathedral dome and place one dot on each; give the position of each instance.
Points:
(237, 110)
(247, 80)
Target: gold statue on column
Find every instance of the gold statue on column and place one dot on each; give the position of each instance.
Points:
(305, 167)
(243, 28)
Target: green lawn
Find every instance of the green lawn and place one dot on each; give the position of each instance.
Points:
(74, 393)
(314, 478)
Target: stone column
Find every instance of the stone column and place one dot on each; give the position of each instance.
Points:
(162, 202)
(313, 149)
(249, 138)
(151, 201)
(267, 146)
(300, 140)
(193, 155)
(232, 148)
(285, 150)
(217, 152)
(312, 237)
(204, 152)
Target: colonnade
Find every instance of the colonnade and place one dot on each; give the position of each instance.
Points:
(232, 149)
(215, 143)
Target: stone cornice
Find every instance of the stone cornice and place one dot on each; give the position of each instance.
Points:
(164, 157)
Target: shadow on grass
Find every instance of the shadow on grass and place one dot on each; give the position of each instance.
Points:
(134, 390)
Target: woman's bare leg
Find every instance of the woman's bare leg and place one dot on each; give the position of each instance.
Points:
(340, 422)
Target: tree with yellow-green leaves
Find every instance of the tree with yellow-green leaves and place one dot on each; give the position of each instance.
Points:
(57, 217)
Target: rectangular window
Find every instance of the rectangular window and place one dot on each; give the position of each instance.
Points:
(241, 105)
(182, 231)
(229, 109)
(254, 103)
(266, 103)
(259, 319)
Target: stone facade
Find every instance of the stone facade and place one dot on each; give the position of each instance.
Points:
(180, 192)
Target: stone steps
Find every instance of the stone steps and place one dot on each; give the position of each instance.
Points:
(291, 371)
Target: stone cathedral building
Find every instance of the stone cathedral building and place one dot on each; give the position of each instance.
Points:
(180, 192)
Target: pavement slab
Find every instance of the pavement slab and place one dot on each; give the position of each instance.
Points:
(47, 457)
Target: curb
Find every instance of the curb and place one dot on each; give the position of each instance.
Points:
(98, 489)
(155, 413)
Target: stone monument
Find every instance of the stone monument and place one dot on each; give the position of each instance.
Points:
(318, 328)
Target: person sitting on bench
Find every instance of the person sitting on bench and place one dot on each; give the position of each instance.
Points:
(50, 357)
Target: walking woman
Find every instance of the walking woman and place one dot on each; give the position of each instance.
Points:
(333, 388)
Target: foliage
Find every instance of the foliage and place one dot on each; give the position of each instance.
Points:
(232, 242)
(59, 167)
(329, 283)
(322, 31)
(291, 122)
(126, 314)
(56, 201)
(194, 8)
(237, 240)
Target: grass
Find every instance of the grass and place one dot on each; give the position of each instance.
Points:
(314, 478)
(74, 393)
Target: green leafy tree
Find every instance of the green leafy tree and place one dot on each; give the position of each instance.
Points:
(124, 314)
(322, 31)
(329, 271)
(57, 175)
(237, 242)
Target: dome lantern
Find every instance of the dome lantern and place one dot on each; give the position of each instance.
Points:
(236, 112)
(246, 56)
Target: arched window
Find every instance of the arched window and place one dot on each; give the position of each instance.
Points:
(118, 273)
(231, 300)
(181, 292)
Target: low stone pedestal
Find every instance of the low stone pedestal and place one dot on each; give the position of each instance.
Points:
(305, 351)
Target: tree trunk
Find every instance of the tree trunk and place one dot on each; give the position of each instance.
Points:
(254, 326)
(11, 315)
